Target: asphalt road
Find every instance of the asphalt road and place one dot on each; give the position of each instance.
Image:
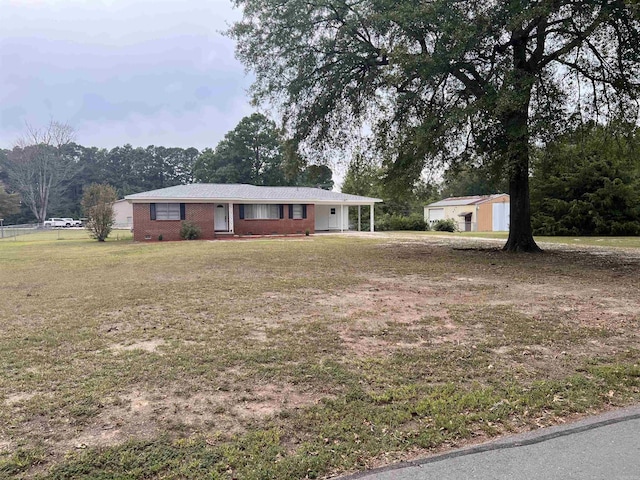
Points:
(606, 447)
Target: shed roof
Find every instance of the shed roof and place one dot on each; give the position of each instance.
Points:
(461, 201)
(237, 192)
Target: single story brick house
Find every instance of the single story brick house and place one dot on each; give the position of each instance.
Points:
(476, 213)
(223, 210)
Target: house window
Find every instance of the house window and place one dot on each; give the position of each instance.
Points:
(297, 211)
(333, 211)
(262, 212)
(167, 211)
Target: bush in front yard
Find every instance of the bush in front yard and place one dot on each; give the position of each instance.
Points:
(448, 225)
(397, 222)
(189, 231)
(97, 205)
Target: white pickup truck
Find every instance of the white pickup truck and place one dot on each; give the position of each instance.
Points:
(74, 223)
(56, 222)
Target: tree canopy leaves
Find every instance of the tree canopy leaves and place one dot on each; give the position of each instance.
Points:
(250, 153)
(472, 180)
(256, 153)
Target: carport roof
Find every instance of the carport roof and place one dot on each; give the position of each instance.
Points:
(237, 192)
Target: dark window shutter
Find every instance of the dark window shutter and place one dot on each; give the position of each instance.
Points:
(183, 214)
(290, 211)
(241, 212)
(304, 211)
(281, 207)
(152, 211)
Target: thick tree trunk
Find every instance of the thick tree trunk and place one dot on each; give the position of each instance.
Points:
(520, 232)
(515, 123)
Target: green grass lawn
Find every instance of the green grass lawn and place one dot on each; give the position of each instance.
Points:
(293, 358)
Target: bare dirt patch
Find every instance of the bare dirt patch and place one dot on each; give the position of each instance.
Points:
(269, 399)
(388, 313)
(150, 346)
(19, 398)
(142, 415)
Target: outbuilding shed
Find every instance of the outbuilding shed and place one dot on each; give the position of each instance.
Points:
(476, 213)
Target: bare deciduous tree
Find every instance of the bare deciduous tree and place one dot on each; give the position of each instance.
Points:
(37, 166)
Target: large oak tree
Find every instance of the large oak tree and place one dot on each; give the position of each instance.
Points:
(437, 77)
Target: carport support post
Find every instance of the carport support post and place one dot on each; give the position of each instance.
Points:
(371, 217)
(230, 222)
(359, 215)
(341, 218)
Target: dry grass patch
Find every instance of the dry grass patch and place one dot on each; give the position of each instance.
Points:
(221, 414)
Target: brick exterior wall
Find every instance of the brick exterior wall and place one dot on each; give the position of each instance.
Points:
(282, 226)
(202, 215)
(199, 213)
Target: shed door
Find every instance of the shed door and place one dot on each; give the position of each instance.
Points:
(500, 218)
(467, 222)
(436, 214)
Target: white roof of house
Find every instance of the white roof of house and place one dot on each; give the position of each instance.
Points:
(461, 201)
(239, 193)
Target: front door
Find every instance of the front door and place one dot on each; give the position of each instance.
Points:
(334, 222)
(221, 218)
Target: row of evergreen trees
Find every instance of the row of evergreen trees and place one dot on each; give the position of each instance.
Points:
(587, 182)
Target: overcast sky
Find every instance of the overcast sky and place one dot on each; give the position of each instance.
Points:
(144, 72)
